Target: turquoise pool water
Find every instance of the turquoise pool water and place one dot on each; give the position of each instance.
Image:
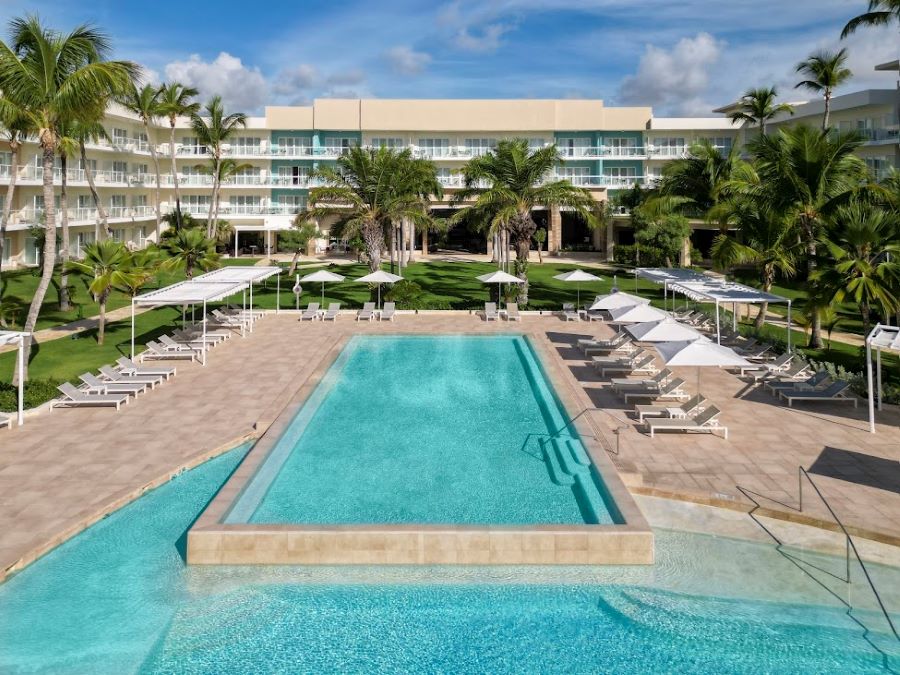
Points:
(118, 599)
(452, 429)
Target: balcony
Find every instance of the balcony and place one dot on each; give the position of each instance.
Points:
(29, 216)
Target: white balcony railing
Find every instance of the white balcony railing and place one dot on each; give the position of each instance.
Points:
(80, 215)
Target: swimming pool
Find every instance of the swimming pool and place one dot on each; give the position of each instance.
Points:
(118, 598)
(438, 429)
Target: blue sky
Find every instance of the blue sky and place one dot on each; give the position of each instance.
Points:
(683, 57)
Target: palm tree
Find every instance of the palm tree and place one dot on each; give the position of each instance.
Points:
(222, 172)
(190, 250)
(107, 263)
(50, 77)
(758, 106)
(862, 243)
(213, 129)
(369, 190)
(174, 102)
(89, 128)
(880, 13)
(825, 72)
(144, 103)
(68, 146)
(806, 174)
(15, 128)
(518, 180)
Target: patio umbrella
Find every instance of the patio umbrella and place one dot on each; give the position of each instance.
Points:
(636, 314)
(618, 299)
(323, 276)
(379, 277)
(664, 330)
(577, 276)
(701, 353)
(499, 277)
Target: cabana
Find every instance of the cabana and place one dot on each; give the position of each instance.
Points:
(664, 276)
(245, 275)
(186, 293)
(882, 338)
(16, 338)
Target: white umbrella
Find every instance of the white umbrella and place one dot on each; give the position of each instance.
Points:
(664, 330)
(618, 299)
(637, 314)
(701, 353)
(499, 277)
(379, 277)
(323, 276)
(577, 276)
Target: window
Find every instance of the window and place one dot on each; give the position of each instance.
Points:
(195, 204)
(191, 145)
(295, 145)
(248, 176)
(246, 145)
(139, 236)
(722, 143)
(117, 206)
(118, 234)
(91, 164)
(434, 147)
(623, 147)
(141, 169)
(119, 169)
(480, 146)
(879, 166)
(120, 136)
(670, 146)
(536, 143)
(293, 175)
(388, 143)
(82, 239)
(290, 204)
(338, 145)
(577, 175)
(573, 146)
(246, 204)
(7, 249)
(31, 251)
(5, 164)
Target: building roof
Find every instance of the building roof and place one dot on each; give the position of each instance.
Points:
(668, 275)
(890, 65)
(723, 292)
(252, 274)
(190, 293)
(693, 124)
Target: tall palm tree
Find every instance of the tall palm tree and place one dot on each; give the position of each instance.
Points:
(15, 129)
(89, 129)
(175, 100)
(880, 13)
(144, 103)
(50, 76)
(862, 264)
(758, 106)
(825, 71)
(189, 249)
(518, 180)
(213, 128)
(806, 174)
(221, 172)
(68, 147)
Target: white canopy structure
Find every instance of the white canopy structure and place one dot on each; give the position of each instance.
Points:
(380, 277)
(616, 300)
(323, 277)
(8, 337)
(636, 314)
(882, 338)
(250, 275)
(664, 330)
(702, 353)
(186, 293)
(499, 277)
(577, 277)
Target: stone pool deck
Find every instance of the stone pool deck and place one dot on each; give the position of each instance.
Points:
(61, 472)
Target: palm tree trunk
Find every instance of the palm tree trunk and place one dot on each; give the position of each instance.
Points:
(294, 261)
(424, 241)
(64, 300)
(49, 257)
(372, 236)
(155, 157)
(14, 147)
(101, 322)
(393, 247)
(815, 333)
(768, 280)
(210, 223)
(178, 222)
(411, 244)
(102, 218)
(865, 313)
(827, 109)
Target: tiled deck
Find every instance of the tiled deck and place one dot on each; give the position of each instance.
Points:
(63, 471)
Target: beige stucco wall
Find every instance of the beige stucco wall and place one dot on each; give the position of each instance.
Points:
(289, 117)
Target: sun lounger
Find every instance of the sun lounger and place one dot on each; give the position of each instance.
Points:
(219, 318)
(490, 311)
(367, 313)
(813, 382)
(623, 348)
(512, 312)
(568, 312)
(625, 383)
(836, 391)
(75, 397)
(212, 338)
(669, 391)
(129, 367)
(759, 352)
(387, 313)
(155, 350)
(705, 422)
(170, 343)
(96, 385)
(311, 313)
(5, 421)
(779, 365)
(110, 374)
(640, 363)
(333, 310)
(692, 405)
(618, 339)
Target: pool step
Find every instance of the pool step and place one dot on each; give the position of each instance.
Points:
(567, 457)
(593, 502)
(557, 473)
(578, 452)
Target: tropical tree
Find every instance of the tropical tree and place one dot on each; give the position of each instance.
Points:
(188, 250)
(666, 232)
(89, 129)
(107, 264)
(14, 127)
(880, 13)
(213, 128)
(221, 171)
(862, 261)
(68, 147)
(370, 190)
(49, 77)
(758, 106)
(540, 236)
(144, 103)
(518, 180)
(303, 233)
(175, 100)
(825, 71)
(805, 174)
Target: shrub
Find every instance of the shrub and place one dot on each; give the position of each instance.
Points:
(36, 393)
(407, 294)
(625, 254)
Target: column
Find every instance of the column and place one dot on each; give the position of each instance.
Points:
(685, 257)
(490, 247)
(609, 248)
(554, 231)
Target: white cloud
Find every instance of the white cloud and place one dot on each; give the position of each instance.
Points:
(347, 78)
(487, 40)
(674, 81)
(241, 88)
(406, 61)
(292, 80)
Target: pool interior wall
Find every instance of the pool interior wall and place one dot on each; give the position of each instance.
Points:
(307, 495)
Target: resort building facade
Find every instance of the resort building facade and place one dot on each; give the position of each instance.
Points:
(605, 149)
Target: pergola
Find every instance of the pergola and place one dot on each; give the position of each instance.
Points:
(16, 338)
(882, 338)
(245, 275)
(186, 293)
(671, 275)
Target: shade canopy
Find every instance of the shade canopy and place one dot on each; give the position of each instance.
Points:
(190, 293)
(612, 301)
(701, 352)
(500, 277)
(664, 330)
(882, 338)
(238, 274)
(577, 276)
(636, 314)
(668, 275)
(380, 277)
(323, 276)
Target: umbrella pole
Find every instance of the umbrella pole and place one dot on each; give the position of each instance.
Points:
(323, 294)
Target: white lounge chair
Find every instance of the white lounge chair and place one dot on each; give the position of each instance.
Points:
(212, 337)
(569, 313)
(75, 397)
(110, 374)
(704, 422)
(628, 383)
(231, 320)
(836, 391)
(367, 313)
(98, 386)
(692, 405)
(490, 311)
(512, 312)
(156, 351)
(333, 310)
(809, 384)
(387, 312)
(669, 391)
(129, 367)
(639, 363)
(5, 421)
(616, 340)
(311, 313)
